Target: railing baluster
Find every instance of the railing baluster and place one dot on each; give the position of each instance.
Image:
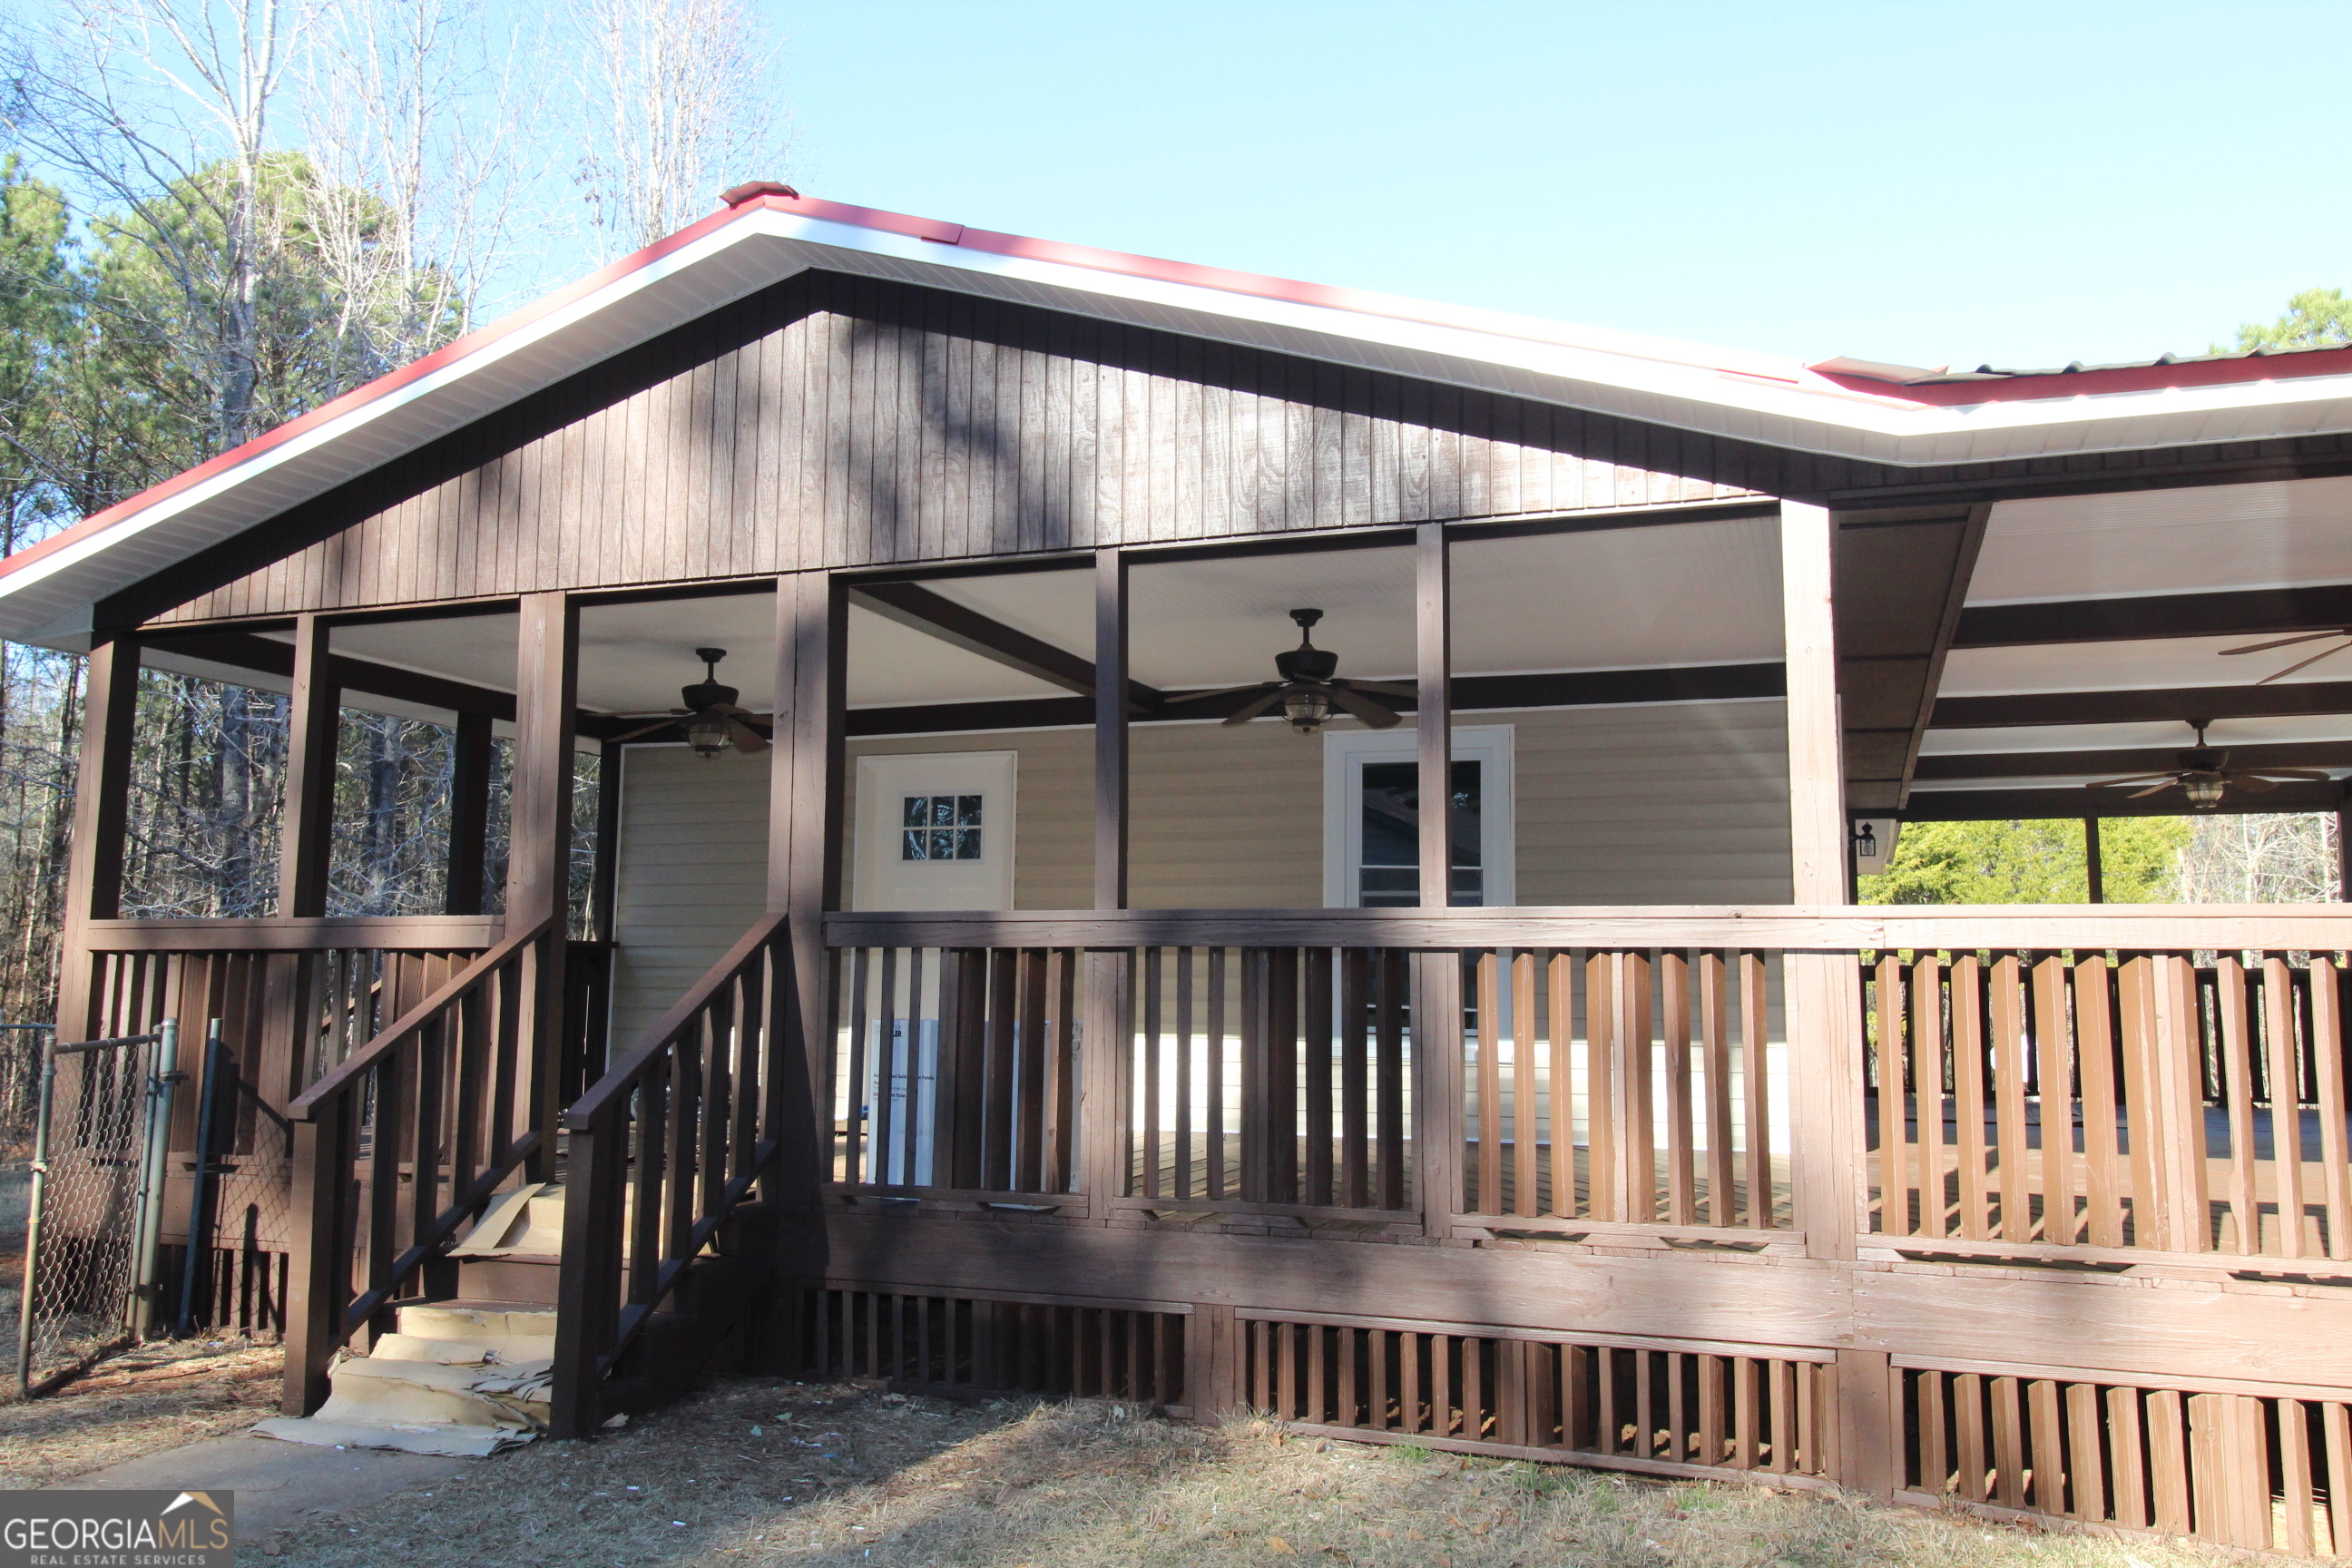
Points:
(2054, 1050)
(1188, 1120)
(1147, 1131)
(2328, 1088)
(1029, 1103)
(1487, 1168)
(2234, 1042)
(2279, 1015)
(883, 1117)
(2006, 1013)
(1756, 1082)
(1968, 1092)
(1314, 1030)
(857, 1161)
(1674, 991)
(1355, 1087)
(1003, 1013)
(1215, 1117)
(1061, 1076)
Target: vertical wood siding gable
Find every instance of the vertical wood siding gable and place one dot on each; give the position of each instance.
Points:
(840, 422)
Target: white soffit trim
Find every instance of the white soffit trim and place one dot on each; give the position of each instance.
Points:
(1743, 397)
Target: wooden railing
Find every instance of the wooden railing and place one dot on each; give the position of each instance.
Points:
(662, 1148)
(406, 1140)
(1633, 1088)
(2105, 1102)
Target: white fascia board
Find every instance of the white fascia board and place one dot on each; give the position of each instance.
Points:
(444, 400)
(1743, 397)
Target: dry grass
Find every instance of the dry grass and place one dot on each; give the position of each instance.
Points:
(147, 1399)
(755, 1471)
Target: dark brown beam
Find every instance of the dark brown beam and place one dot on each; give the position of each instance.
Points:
(266, 656)
(2061, 805)
(2238, 613)
(912, 606)
(2181, 703)
(1717, 682)
(2135, 760)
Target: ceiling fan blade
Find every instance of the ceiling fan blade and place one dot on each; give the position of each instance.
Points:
(2277, 642)
(1256, 708)
(2135, 778)
(1363, 707)
(2283, 775)
(748, 741)
(649, 729)
(2314, 658)
(2151, 789)
(1225, 691)
(2255, 783)
(1385, 688)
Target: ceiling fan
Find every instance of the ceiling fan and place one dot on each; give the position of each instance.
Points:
(710, 718)
(1310, 696)
(2344, 632)
(2205, 775)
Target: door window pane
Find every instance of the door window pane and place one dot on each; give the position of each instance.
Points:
(941, 827)
(1389, 836)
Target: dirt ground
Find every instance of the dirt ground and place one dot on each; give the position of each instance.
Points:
(758, 1471)
(155, 1397)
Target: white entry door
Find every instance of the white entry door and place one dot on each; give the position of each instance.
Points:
(935, 831)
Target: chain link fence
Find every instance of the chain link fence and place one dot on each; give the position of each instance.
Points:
(95, 1212)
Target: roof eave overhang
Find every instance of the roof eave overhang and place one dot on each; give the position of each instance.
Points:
(46, 593)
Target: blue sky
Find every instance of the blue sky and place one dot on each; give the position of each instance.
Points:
(1924, 183)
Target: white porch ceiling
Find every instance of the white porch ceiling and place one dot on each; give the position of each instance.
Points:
(2202, 538)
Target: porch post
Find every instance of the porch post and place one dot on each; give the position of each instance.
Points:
(804, 805)
(1823, 990)
(469, 813)
(2095, 877)
(101, 815)
(1110, 729)
(308, 836)
(1105, 1073)
(1436, 972)
(1434, 718)
(539, 839)
(804, 824)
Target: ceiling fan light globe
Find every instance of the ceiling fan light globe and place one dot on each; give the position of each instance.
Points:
(1307, 712)
(708, 734)
(2205, 790)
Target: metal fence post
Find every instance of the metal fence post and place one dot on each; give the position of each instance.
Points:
(146, 1307)
(199, 1211)
(33, 1217)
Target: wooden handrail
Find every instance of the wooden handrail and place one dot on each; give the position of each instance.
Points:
(674, 1137)
(1828, 928)
(389, 1039)
(291, 934)
(583, 1114)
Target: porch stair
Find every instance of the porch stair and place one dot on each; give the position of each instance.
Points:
(462, 1379)
(468, 1377)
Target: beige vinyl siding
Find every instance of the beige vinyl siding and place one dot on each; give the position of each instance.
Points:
(1667, 805)
(691, 874)
(1672, 804)
(1675, 803)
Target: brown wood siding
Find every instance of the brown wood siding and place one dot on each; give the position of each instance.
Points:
(840, 422)
(834, 421)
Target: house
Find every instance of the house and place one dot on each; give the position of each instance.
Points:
(978, 997)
